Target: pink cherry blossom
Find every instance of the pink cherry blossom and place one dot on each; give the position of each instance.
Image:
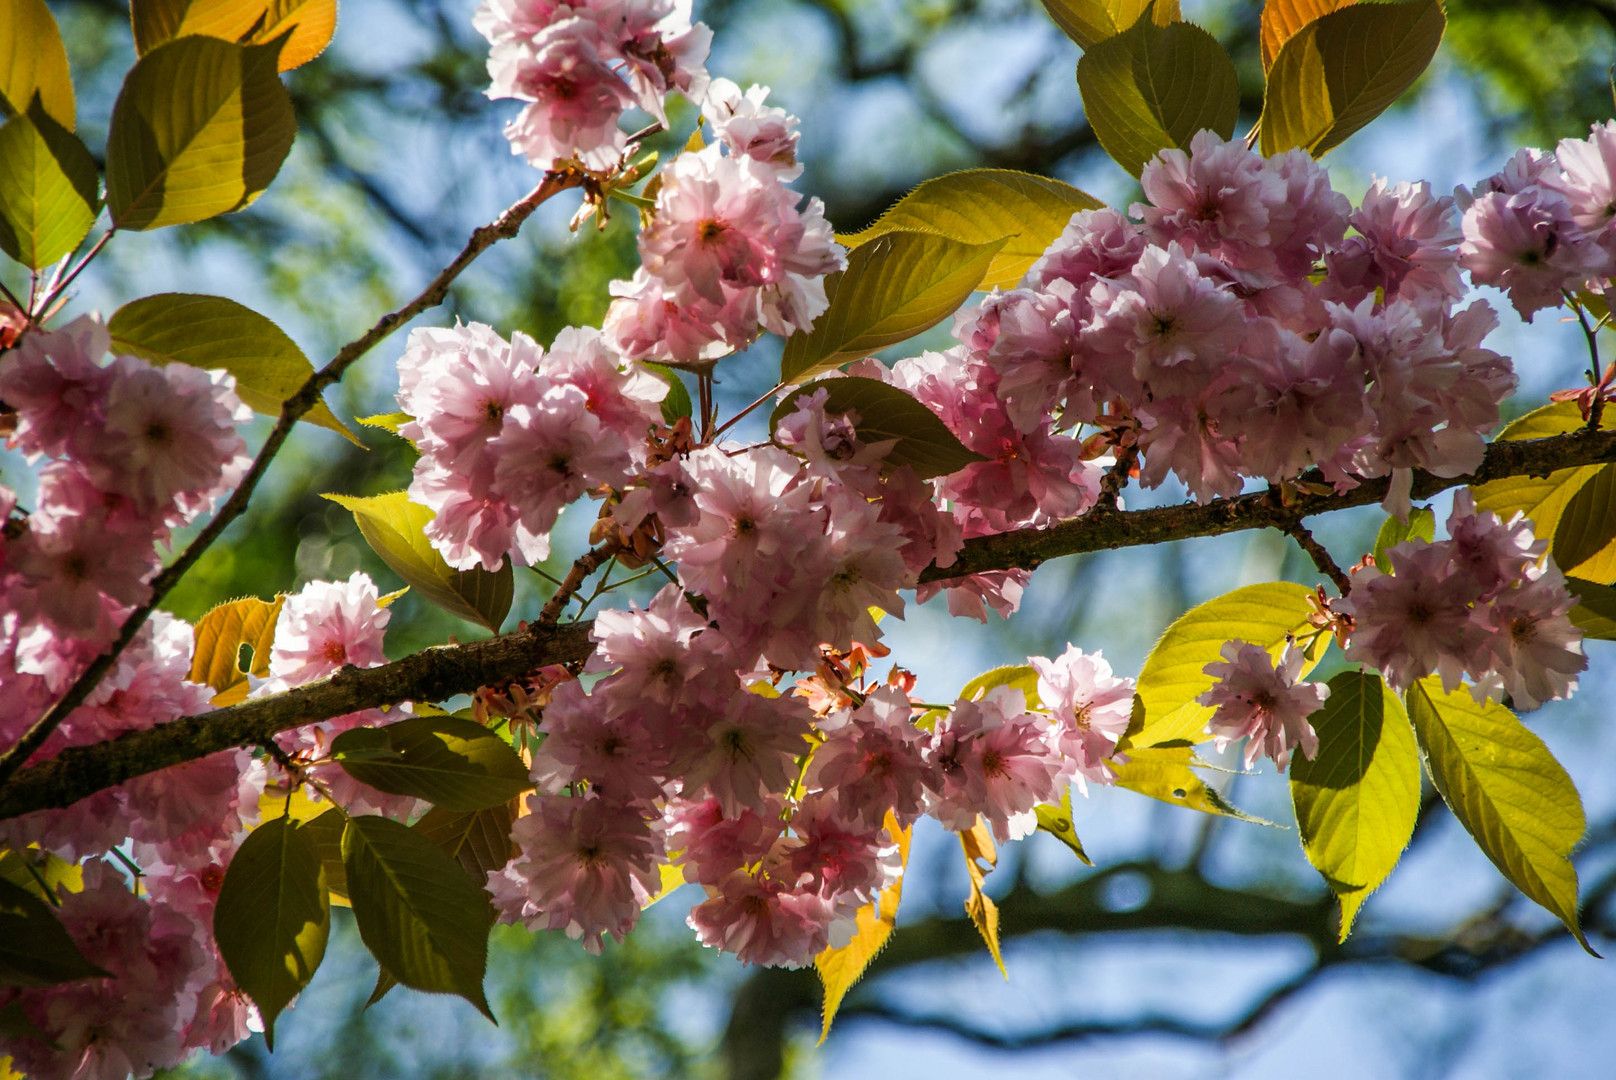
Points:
(1259, 700)
(873, 761)
(325, 626)
(1090, 709)
(1413, 621)
(996, 761)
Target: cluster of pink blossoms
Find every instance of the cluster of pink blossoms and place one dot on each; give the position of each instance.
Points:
(1546, 223)
(580, 66)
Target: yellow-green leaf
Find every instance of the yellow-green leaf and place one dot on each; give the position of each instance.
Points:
(452, 763)
(395, 528)
(49, 193)
(978, 206)
(212, 332)
(1357, 800)
(250, 22)
(479, 840)
(1056, 820)
(1344, 69)
(1585, 538)
(220, 634)
(33, 61)
(324, 828)
(1283, 19)
(35, 948)
(980, 858)
(1023, 677)
(672, 876)
(1165, 773)
(1421, 525)
(272, 919)
(200, 127)
(1507, 790)
(1153, 87)
(677, 404)
(1541, 498)
(1173, 676)
(886, 413)
(894, 287)
(1089, 21)
(419, 914)
(839, 969)
(40, 872)
(1595, 612)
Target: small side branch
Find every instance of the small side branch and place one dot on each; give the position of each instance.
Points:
(586, 564)
(1320, 556)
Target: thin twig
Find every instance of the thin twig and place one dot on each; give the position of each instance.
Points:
(1116, 478)
(58, 287)
(307, 396)
(1596, 407)
(1320, 556)
(732, 421)
(586, 564)
(18, 304)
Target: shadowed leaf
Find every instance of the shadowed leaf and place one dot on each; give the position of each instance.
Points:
(886, 413)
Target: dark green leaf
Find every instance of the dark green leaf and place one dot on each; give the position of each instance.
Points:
(480, 840)
(384, 983)
(48, 188)
(35, 949)
(921, 440)
(1153, 87)
(1421, 525)
(199, 129)
(273, 918)
(325, 833)
(450, 762)
(423, 919)
(1595, 613)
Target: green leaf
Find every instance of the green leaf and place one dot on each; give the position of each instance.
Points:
(395, 528)
(921, 440)
(1165, 773)
(212, 332)
(450, 762)
(48, 188)
(978, 206)
(384, 983)
(1507, 790)
(1344, 69)
(1357, 800)
(479, 840)
(1583, 538)
(423, 919)
(391, 421)
(677, 404)
(839, 969)
(1595, 612)
(1283, 19)
(220, 634)
(1421, 525)
(1153, 87)
(1541, 498)
(1088, 22)
(35, 949)
(251, 22)
(200, 127)
(40, 872)
(324, 831)
(1172, 676)
(894, 287)
(33, 62)
(1056, 820)
(1023, 677)
(273, 918)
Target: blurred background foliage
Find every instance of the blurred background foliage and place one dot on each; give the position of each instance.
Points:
(1202, 947)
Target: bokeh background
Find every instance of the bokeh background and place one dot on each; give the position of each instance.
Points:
(1196, 946)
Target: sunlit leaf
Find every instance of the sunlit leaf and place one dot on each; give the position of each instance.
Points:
(1595, 611)
(49, 191)
(40, 872)
(673, 876)
(1542, 499)
(220, 634)
(1173, 675)
(1057, 822)
(395, 528)
(1358, 798)
(1165, 773)
(839, 969)
(1421, 525)
(33, 61)
(199, 129)
(251, 22)
(921, 440)
(1340, 71)
(1089, 21)
(677, 404)
(35, 948)
(1023, 677)
(272, 918)
(1283, 19)
(1153, 87)
(1507, 790)
(979, 206)
(423, 919)
(980, 858)
(1585, 537)
(452, 763)
(894, 287)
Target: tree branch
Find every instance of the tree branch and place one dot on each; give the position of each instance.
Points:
(430, 675)
(292, 409)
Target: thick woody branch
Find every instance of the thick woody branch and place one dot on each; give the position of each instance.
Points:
(431, 675)
(1029, 548)
(292, 410)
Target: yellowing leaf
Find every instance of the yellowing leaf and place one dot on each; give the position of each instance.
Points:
(1152, 88)
(980, 859)
(1283, 19)
(886, 413)
(673, 876)
(1165, 773)
(982, 205)
(894, 287)
(1508, 792)
(1585, 538)
(1342, 70)
(33, 61)
(49, 191)
(1357, 799)
(839, 969)
(1090, 21)
(395, 529)
(200, 127)
(1543, 499)
(212, 332)
(250, 22)
(1023, 677)
(1173, 676)
(1056, 820)
(1595, 613)
(1421, 525)
(222, 632)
